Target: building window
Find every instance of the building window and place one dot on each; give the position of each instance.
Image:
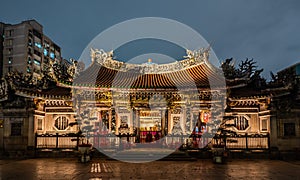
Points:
(37, 62)
(29, 42)
(10, 59)
(30, 33)
(241, 122)
(46, 44)
(61, 122)
(264, 125)
(40, 124)
(29, 60)
(289, 129)
(10, 50)
(9, 33)
(37, 52)
(16, 129)
(37, 34)
(9, 68)
(39, 45)
(45, 52)
(9, 42)
(52, 56)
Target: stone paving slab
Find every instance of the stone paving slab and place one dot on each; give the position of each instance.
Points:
(98, 169)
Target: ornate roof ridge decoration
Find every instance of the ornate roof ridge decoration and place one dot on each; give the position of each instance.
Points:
(40, 95)
(249, 98)
(192, 58)
(283, 88)
(244, 102)
(57, 102)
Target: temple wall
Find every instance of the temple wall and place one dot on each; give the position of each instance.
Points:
(52, 119)
(288, 138)
(15, 131)
(31, 137)
(258, 122)
(288, 144)
(273, 130)
(254, 123)
(49, 124)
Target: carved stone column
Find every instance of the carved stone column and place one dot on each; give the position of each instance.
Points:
(183, 120)
(169, 122)
(137, 121)
(117, 122)
(131, 122)
(109, 120)
(31, 128)
(192, 120)
(163, 121)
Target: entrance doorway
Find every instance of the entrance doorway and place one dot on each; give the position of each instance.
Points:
(150, 126)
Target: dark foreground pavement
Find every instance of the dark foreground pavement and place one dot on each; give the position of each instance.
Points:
(70, 168)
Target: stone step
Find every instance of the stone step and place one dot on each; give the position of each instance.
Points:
(144, 155)
(56, 153)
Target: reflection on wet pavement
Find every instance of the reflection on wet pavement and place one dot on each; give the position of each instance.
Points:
(101, 169)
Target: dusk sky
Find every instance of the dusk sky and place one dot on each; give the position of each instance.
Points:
(265, 30)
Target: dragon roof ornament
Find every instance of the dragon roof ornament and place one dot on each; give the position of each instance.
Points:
(192, 58)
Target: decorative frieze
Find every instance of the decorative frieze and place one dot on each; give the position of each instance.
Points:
(193, 58)
(56, 103)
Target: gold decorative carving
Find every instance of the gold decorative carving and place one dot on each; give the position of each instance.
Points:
(193, 58)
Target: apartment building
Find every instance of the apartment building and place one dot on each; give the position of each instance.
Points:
(26, 48)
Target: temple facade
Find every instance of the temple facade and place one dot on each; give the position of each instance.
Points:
(185, 101)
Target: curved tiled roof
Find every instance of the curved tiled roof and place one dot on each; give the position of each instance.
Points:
(56, 92)
(201, 75)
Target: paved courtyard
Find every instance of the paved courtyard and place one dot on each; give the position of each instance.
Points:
(97, 169)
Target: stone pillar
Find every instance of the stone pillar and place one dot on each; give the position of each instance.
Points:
(131, 121)
(109, 120)
(192, 121)
(137, 120)
(273, 131)
(189, 114)
(31, 129)
(170, 123)
(117, 122)
(163, 121)
(183, 120)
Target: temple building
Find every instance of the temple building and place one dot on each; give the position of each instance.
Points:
(185, 101)
(150, 100)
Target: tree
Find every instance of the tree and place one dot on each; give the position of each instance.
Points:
(247, 70)
(228, 68)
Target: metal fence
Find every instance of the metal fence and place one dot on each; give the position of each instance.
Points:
(238, 142)
(56, 141)
(248, 142)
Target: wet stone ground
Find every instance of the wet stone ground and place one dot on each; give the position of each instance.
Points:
(97, 169)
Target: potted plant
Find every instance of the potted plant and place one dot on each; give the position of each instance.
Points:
(84, 147)
(219, 150)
